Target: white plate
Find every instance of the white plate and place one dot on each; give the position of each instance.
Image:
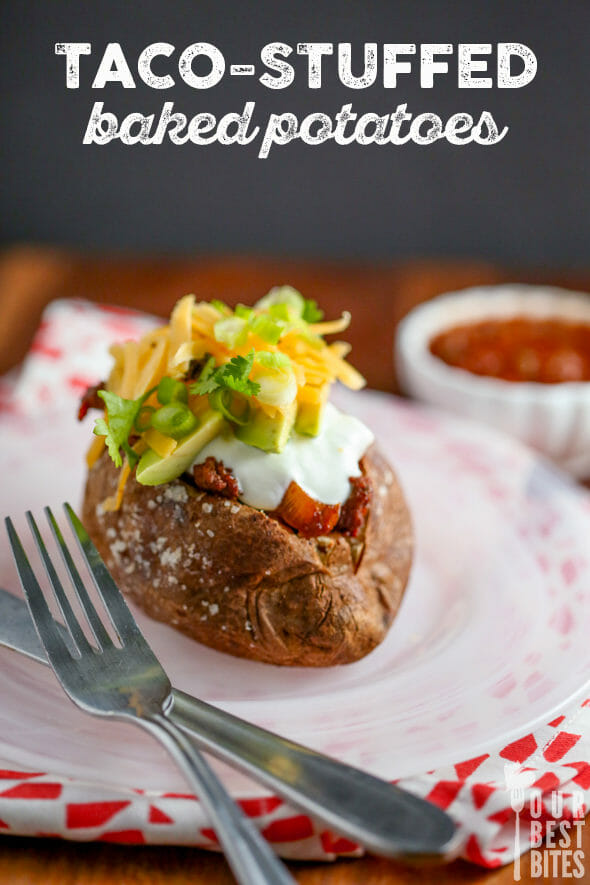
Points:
(491, 639)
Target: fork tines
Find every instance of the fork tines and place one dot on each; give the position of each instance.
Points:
(113, 601)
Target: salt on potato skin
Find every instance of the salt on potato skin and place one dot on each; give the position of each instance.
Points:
(244, 583)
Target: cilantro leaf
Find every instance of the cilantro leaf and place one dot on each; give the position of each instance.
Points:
(311, 312)
(206, 382)
(229, 376)
(121, 415)
(101, 428)
(235, 375)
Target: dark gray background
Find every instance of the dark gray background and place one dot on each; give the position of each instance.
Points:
(525, 200)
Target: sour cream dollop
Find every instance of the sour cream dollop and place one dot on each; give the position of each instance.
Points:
(321, 465)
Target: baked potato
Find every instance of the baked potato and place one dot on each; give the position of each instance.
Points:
(248, 512)
(241, 581)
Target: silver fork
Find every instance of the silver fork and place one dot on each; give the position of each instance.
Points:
(128, 683)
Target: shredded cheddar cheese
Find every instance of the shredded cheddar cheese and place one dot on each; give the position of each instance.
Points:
(190, 335)
(161, 444)
(152, 362)
(113, 502)
(94, 451)
(199, 332)
(180, 330)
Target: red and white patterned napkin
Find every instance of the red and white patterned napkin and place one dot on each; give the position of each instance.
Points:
(551, 765)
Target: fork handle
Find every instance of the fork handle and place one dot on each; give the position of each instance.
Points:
(249, 855)
(379, 815)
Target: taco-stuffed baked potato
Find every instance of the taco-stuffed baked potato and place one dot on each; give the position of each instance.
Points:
(232, 501)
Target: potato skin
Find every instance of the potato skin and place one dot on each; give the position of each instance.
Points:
(239, 581)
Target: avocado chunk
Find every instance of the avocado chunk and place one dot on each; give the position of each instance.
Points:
(153, 470)
(309, 418)
(266, 432)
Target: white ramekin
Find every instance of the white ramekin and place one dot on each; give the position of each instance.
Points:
(552, 418)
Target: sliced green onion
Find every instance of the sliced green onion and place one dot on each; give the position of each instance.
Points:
(277, 389)
(276, 361)
(143, 419)
(286, 295)
(224, 401)
(175, 420)
(148, 393)
(279, 312)
(243, 312)
(267, 328)
(233, 332)
(172, 391)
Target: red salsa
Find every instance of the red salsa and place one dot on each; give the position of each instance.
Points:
(548, 351)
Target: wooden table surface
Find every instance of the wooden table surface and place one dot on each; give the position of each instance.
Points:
(378, 295)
